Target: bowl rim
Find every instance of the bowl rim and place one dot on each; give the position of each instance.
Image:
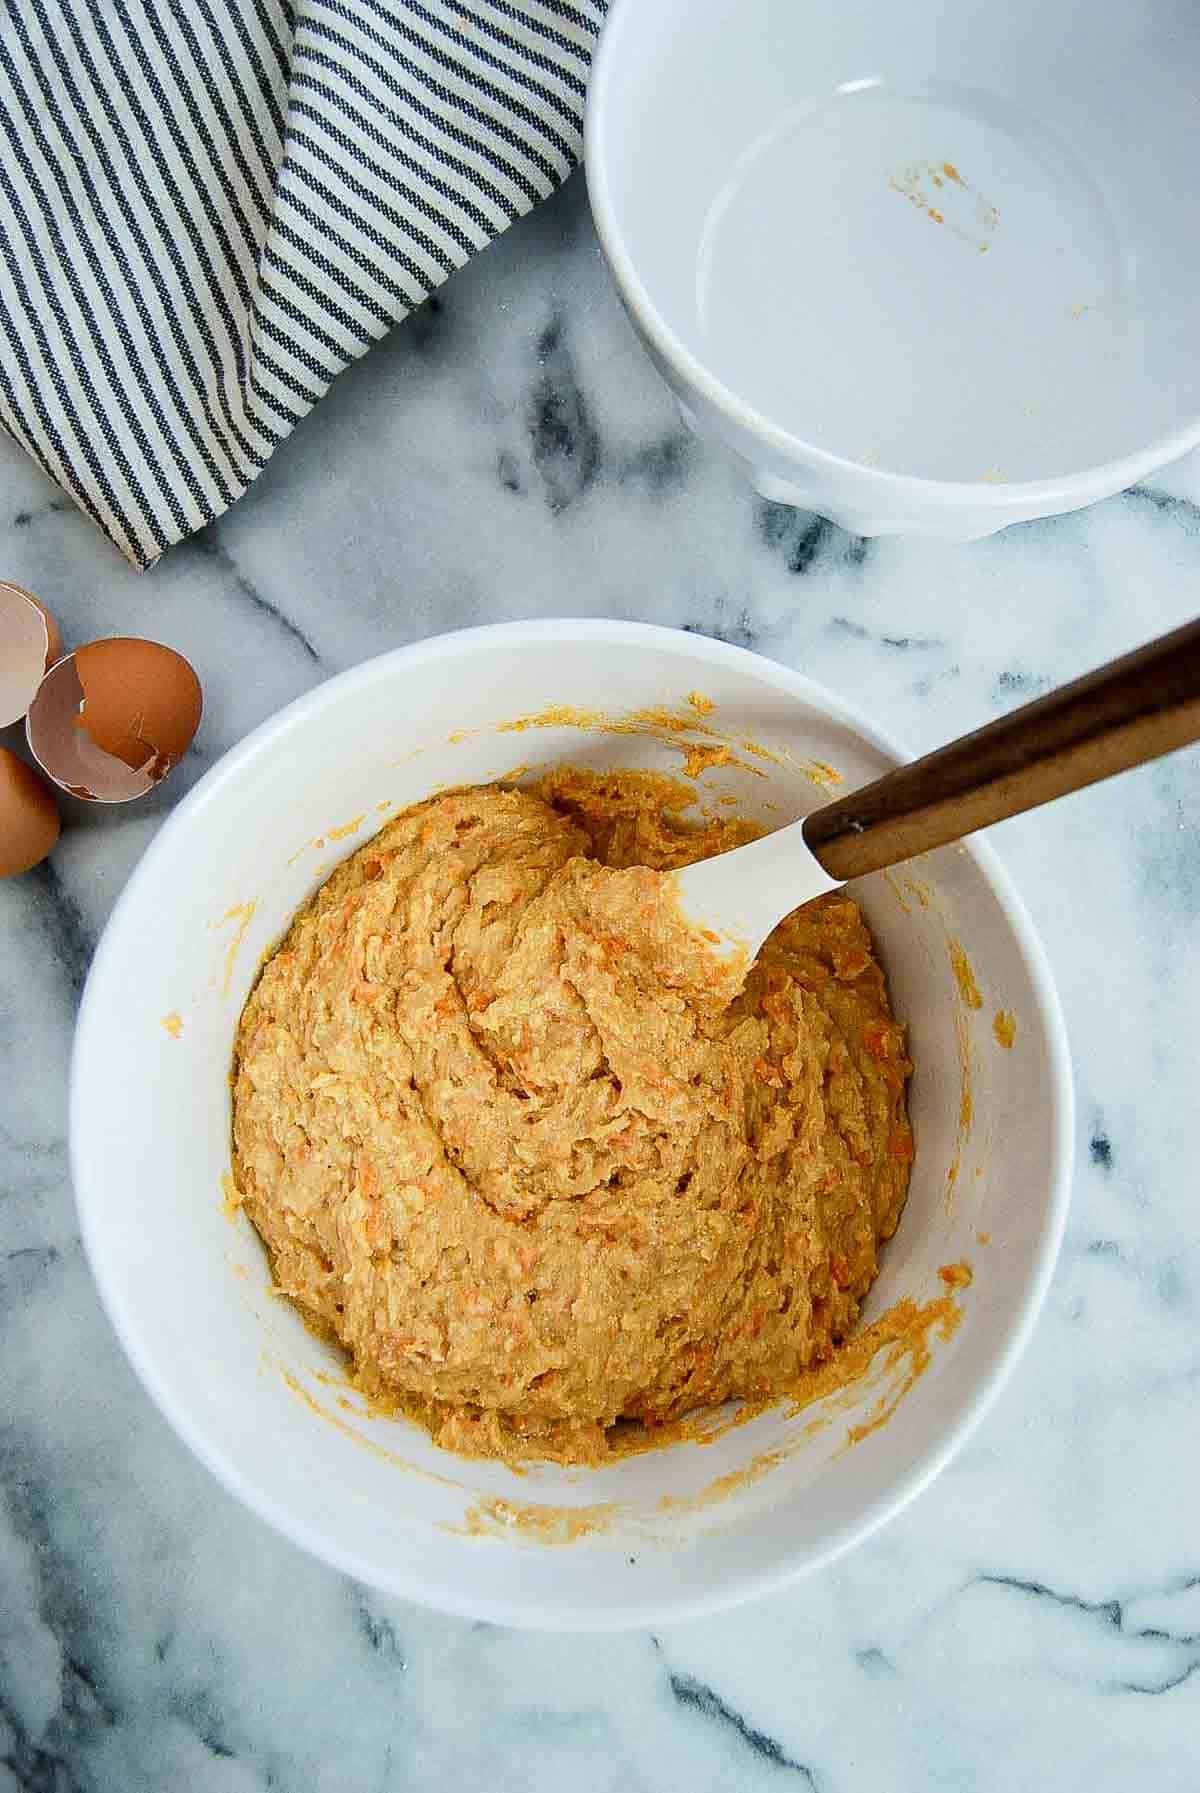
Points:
(1049, 496)
(432, 1591)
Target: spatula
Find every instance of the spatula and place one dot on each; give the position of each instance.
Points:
(1134, 709)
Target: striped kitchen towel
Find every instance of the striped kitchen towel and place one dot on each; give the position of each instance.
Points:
(208, 208)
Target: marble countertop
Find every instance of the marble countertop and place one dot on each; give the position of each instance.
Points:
(1033, 1619)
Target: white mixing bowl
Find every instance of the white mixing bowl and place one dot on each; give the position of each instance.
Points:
(927, 265)
(258, 1397)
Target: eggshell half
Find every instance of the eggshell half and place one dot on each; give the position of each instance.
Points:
(29, 644)
(110, 720)
(67, 753)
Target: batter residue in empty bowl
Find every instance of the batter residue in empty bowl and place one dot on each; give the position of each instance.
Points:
(509, 1142)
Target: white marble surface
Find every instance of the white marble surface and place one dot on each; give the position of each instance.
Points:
(1034, 1619)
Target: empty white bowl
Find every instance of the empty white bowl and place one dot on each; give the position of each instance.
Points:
(920, 267)
(259, 1398)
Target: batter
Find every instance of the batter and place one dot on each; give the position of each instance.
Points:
(510, 1143)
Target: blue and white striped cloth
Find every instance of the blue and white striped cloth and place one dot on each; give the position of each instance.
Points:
(209, 207)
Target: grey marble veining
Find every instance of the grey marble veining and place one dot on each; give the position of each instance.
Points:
(1033, 1620)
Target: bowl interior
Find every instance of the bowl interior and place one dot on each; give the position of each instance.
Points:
(262, 1401)
(959, 242)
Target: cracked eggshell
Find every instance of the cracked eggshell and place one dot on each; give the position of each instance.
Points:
(110, 720)
(28, 816)
(29, 645)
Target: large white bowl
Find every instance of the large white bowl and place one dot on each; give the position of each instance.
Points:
(257, 1396)
(927, 265)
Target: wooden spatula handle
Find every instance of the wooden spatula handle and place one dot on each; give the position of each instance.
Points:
(1125, 713)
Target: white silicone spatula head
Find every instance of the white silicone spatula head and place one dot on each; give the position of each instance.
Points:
(739, 896)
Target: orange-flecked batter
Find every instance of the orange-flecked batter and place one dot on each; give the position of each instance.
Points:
(510, 1144)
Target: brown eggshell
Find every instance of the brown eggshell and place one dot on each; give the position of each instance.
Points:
(28, 816)
(141, 702)
(29, 644)
(66, 753)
